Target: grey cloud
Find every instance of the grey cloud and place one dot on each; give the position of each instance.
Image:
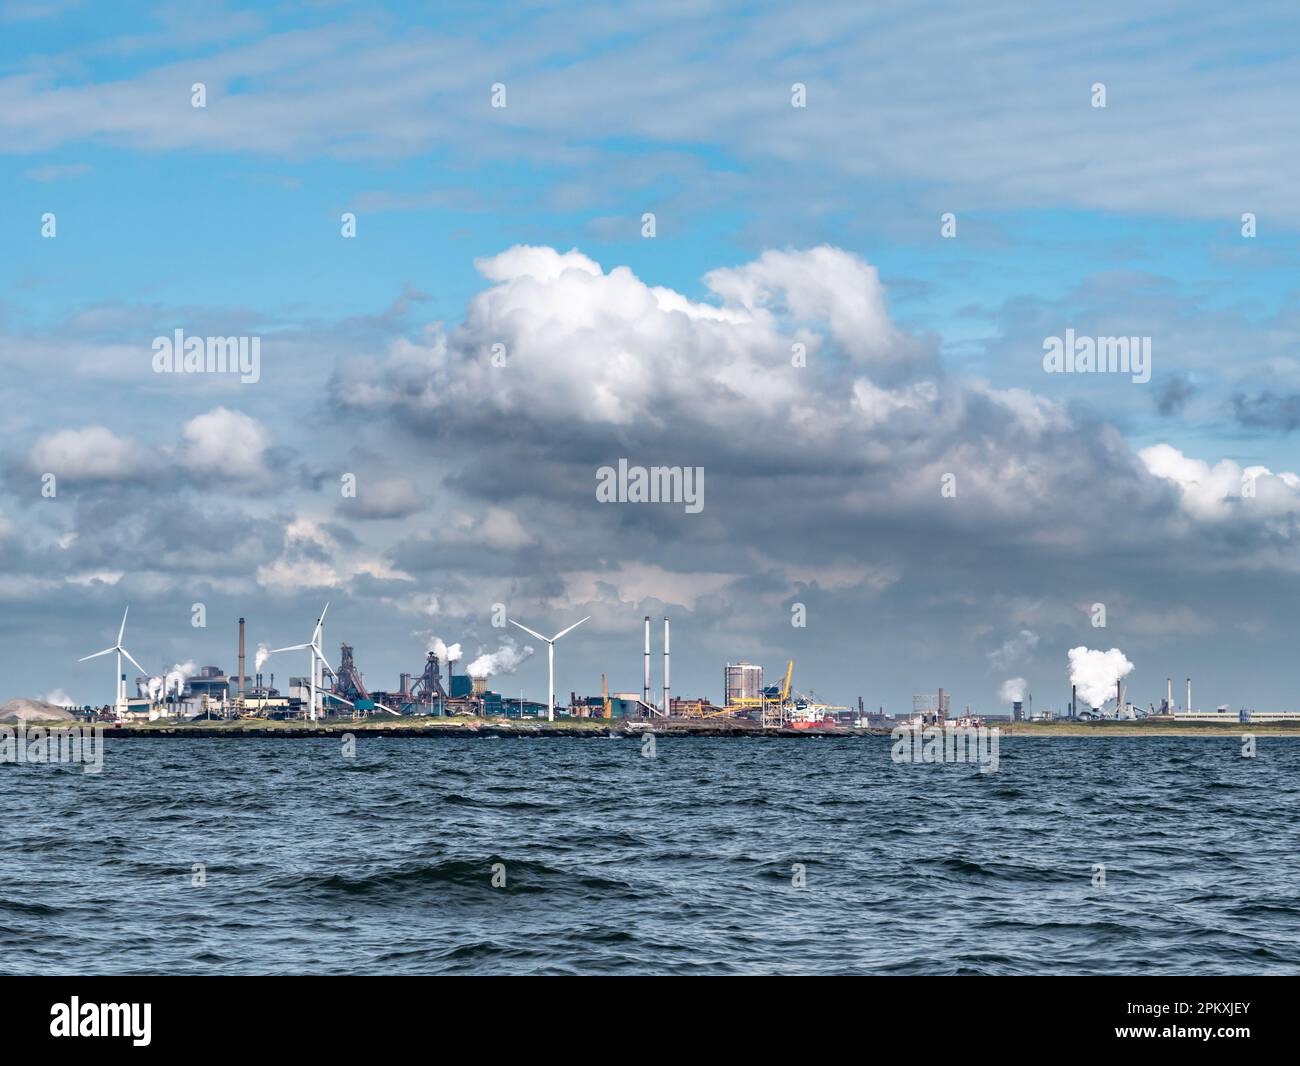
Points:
(799, 469)
(1174, 394)
(1267, 410)
(382, 498)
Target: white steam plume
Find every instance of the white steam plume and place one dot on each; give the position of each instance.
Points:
(502, 661)
(172, 680)
(1095, 673)
(177, 675)
(1014, 649)
(1013, 690)
(263, 653)
(447, 653)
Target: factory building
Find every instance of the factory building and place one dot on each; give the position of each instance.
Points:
(628, 705)
(211, 681)
(932, 708)
(742, 682)
(1226, 714)
(696, 708)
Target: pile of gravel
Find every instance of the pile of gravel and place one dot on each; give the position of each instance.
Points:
(24, 710)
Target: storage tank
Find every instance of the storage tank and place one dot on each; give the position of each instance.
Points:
(741, 681)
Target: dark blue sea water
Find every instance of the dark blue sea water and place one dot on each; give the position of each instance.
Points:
(680, 864)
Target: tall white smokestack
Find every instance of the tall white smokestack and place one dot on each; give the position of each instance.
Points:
(645, 692)
(1169, 695)
(667, 704)
(1189, 695)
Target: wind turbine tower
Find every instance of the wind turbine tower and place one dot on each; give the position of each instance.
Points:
(550, 661)
(316, 656)
(119, 683)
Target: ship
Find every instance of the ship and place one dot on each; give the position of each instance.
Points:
(806, 715)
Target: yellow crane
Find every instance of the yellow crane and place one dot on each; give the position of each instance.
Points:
(766, 704)
(725, 710)
(774, 711)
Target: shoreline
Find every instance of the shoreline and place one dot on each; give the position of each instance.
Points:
(596, 729)
(1149, 729)
(580, 729)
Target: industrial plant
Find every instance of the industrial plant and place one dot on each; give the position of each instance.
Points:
(438, 690)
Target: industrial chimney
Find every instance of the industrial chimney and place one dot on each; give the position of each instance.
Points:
(1169, 695)
(645, 691)
(1189, 696)
(667, 705)
(241, 657)
(1074, 701)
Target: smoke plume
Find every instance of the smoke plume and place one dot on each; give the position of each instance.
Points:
(1096, 672)
(502, 661)
(172, 681)
(447, 653)
(1013, 650)
(263, 653)
(1013, 690)
(178, 674)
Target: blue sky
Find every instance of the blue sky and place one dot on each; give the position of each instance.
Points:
(1120, 220)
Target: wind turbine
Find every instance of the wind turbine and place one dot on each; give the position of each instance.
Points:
(316, 653)
(119, 686)
(550, 661)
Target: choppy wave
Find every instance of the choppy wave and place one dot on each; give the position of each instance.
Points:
(718, 856)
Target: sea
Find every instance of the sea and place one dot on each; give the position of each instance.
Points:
(498, 855)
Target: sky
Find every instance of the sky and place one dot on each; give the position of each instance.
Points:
(839, 316)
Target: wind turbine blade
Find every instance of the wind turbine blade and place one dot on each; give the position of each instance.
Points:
(137, 665)
(97, 654)
(292, 647)
(336, 696)
(569, 630)
(122, 630)
(315, 633)
(527, 630)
